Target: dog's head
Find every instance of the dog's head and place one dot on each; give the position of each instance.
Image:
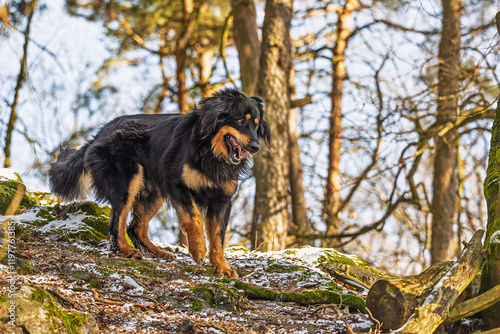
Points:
(235, 123)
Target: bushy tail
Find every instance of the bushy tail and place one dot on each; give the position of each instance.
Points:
(67, 176)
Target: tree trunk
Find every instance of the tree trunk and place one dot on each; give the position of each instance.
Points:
(333, 185)
(20, 80)
(247, 43)
(490, 276)
(206, 54)
(445, 182)
(181, 57)
(297, 191)
(270, 222)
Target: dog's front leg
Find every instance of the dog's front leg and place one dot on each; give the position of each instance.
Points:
(191, 224)
(216, 224)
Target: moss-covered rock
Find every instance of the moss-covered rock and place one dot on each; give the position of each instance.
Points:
(222, 297)
(278, 268)
(89, 278)
(37, 311)
(10, 183)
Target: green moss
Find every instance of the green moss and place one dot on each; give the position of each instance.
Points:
(71, 320)
(105, 272)
(94, 209)
(493, 226)
(143, 268)
(283, 269)
(27, 268)
(304, 297)
(28, 202)
(196, 306)
(219, 296)
(3, 298)
(98, 216)
(7, 191)
(238, 249)
(332, 256)
(44, 214)
(209, 271)
(48, 198)
(291, 252)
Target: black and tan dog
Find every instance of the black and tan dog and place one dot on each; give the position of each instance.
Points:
(192, 160)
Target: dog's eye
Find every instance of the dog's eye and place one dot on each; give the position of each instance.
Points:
(242, 121)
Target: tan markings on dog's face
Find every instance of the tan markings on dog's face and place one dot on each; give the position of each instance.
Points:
(195, 179)
(230, 187)
(256, 121)
(218, 145)
(248, 116)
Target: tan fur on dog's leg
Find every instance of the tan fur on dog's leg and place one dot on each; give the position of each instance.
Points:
(216, 252)
(192, 227)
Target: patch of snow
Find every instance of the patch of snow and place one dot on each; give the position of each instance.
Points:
(129, 280)
(495, 238)
(9, 174)
(74, 222)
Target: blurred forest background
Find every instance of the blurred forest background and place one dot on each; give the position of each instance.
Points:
(381, 110)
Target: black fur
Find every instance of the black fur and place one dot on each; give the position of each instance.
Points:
(162, 144)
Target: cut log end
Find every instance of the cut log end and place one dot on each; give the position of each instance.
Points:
(389, 304)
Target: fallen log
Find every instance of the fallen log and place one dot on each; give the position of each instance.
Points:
(419, 303)
(474, 305)
(392, 301)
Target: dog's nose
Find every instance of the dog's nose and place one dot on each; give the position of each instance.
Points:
(254, 146)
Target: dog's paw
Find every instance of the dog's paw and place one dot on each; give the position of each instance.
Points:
(130, 253)
(198, 254)
(166, 255)
(228, 272)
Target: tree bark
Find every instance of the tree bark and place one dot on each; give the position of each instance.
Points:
(421, 303)
(181, 57)
(434, 310)
(445, 182)
(392, 301)
(490, 276)
(20, 80)
(333, 184)
(270, 221)
(297, 191)
(247, 43)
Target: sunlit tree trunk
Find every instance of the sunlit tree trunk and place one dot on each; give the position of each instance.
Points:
(181, 57)
(333, 185)
(490, 276)
(445, 182)
(247, 43)
(270, 220)
(297, 191)
(205, 55)
(20, 80)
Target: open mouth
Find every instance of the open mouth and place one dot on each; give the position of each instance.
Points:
(236, 152)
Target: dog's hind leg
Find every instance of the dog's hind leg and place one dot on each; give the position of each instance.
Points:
(144, 209)
(118, 224)
(191, 224)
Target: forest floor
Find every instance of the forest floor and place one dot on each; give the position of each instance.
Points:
(68, 281)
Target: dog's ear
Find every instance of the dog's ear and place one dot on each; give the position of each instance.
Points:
(264, 131)
(213, 111)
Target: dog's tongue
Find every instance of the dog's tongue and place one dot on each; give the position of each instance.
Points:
(243, 153)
